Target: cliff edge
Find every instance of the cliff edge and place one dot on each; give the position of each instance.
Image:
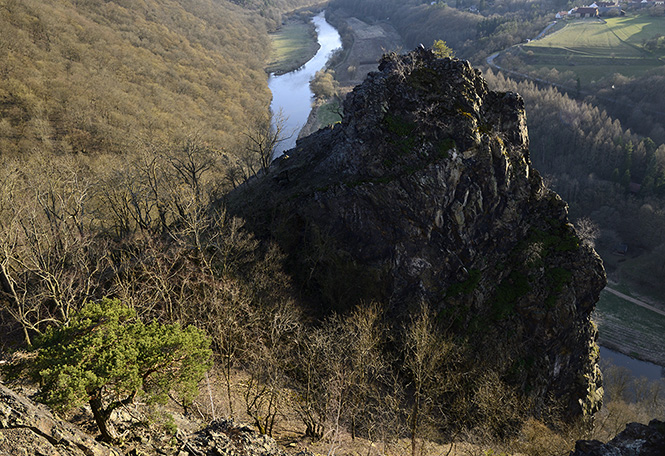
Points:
(424, 193)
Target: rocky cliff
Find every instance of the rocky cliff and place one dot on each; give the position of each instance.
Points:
(636, 440)
(425, 193)
(31, 429)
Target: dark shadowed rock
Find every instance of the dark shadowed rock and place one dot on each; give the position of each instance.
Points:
(425, 193)
(636, 440)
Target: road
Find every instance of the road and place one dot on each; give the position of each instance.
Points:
(635, 301)
(490, 59)
(549, 26)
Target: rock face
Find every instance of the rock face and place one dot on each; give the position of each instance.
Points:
(636, 440)
(29, 429)
(425, 193)
(224, 438)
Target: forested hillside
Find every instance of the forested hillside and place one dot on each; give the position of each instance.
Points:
(636, 101)
(94, 77)
(120, 123)
(603, 171)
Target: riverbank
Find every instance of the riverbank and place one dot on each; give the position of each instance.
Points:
(292, 95)
(366, 44)
(293, 45)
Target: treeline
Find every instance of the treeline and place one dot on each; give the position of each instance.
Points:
(274, 10)
(602, 170)
(637, 101)
(492, 26)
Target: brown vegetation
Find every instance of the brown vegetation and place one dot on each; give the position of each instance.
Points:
(122, 124)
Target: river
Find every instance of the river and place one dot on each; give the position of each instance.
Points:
(637, 367)
(291, 96)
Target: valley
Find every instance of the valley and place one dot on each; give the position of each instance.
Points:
(403, 282)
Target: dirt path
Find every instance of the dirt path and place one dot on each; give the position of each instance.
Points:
(635, 301)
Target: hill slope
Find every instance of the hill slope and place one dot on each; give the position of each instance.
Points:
(91, 76)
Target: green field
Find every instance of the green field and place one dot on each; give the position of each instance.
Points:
(629, 328)
(593, 49)
(328, 113)
(292, 46)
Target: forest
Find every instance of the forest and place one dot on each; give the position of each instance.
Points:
(122, 125)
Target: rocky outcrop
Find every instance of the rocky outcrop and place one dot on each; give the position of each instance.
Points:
(224, 438)
(30, 429)
(636, 440)
(425, 193)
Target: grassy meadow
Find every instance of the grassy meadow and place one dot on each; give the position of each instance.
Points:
(328, 113)
(292, 46)
(593, 49)
(636, 330)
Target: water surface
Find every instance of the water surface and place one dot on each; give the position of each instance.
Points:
(638, 368)
(291, 95)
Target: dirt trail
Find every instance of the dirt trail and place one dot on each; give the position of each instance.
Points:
(635, 301)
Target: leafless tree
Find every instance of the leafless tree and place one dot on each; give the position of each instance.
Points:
(257, 153)
(50, 261)
(266, 364)
(587, 231)
(429, 356)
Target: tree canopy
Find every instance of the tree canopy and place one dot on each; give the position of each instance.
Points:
(106, 357)
(441, 49)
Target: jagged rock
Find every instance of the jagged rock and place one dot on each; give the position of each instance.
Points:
(224, 438)
(28, 429)
(425, 193)
(636, 440)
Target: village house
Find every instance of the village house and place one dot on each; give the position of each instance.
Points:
(636, 4)
(606, 7)
(584, 11)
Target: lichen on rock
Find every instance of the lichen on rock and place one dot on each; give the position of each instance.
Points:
(425, 193)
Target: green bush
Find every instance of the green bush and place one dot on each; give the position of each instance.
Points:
(106, 357)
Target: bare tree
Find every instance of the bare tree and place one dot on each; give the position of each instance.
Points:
(257, 153)
(427, 353)
(267, 363)
(342, 371)
(587, 231)
(50, 261)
